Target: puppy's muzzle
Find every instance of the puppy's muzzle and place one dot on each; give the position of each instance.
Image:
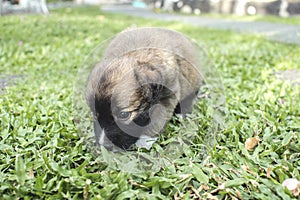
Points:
(102, 140)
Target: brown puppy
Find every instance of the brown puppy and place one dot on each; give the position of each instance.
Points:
(146, 75)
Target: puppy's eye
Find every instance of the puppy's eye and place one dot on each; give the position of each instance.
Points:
(124, 115)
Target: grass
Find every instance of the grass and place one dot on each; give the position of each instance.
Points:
(44, 157)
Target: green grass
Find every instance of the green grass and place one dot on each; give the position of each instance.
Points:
(42, 155)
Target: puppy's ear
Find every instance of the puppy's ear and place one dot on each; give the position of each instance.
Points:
(149, 80)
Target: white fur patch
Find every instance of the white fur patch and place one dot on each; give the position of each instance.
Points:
(145, 141)
(101, 138)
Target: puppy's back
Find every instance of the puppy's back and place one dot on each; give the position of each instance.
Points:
(137, 38)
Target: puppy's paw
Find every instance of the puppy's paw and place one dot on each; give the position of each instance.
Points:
(145, 142)
(181, 116)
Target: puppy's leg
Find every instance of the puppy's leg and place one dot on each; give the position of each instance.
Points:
(98, 132)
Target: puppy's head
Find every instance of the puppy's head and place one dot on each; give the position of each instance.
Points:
(132, 98)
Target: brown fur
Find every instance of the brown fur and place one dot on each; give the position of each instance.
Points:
(142, 66)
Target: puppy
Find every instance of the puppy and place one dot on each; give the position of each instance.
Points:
(146, 75)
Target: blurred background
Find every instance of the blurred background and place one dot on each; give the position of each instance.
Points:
(238, 7)
(283, 8)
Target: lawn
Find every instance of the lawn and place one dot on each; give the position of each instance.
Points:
(43, 156)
